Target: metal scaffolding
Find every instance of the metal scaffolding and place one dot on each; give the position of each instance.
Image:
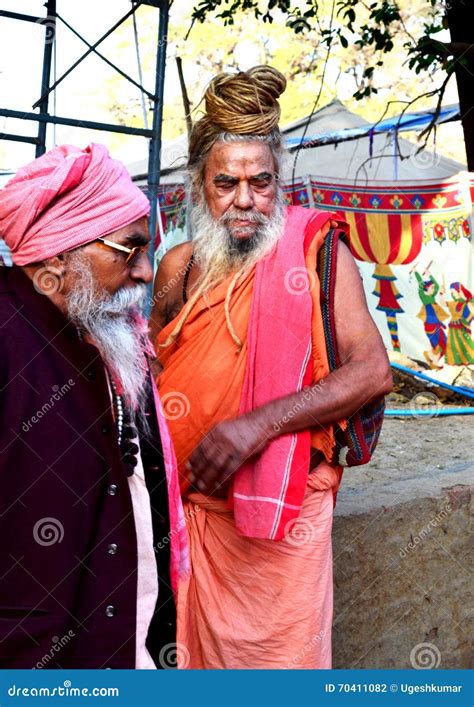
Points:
(44, 118)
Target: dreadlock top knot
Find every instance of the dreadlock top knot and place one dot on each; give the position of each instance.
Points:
(243, 104)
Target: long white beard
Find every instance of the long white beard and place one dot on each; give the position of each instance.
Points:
(219, 253)
(113, 324)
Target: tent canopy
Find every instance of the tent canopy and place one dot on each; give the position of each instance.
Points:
(399, 123)
(344, 161)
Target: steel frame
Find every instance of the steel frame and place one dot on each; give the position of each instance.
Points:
(44, 118)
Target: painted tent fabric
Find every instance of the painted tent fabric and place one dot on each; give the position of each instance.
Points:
(414, 248)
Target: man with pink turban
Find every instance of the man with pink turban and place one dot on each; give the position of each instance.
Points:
(92, 527)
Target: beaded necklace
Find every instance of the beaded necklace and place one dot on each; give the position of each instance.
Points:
(118, 408)
(127, 432)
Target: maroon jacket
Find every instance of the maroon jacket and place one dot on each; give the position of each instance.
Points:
(68, 552)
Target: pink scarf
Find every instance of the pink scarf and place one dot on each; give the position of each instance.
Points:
(180, 561)
(268, 492)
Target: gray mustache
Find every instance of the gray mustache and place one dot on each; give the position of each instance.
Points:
(124, 299)
(253, 216)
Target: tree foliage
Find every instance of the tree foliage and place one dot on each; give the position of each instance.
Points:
(372, 25)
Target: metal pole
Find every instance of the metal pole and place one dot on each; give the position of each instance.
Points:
(58, 120)
(155, 142)
(49, 38)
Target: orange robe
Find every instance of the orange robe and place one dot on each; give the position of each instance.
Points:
(249, 603)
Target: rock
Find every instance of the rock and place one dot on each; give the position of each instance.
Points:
(396, 398)
(402, 360)
(465, 378)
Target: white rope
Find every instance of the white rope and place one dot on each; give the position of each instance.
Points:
(140, 73)
(54, 92)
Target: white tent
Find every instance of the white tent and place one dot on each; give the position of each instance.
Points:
(345, 161)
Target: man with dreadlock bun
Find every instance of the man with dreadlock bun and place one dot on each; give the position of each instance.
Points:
(249, 394)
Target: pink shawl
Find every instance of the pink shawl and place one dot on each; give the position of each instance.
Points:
(268, 491)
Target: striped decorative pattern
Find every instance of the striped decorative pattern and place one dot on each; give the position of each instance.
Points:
(356, 444)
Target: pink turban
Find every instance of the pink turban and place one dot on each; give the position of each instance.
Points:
(65, 199)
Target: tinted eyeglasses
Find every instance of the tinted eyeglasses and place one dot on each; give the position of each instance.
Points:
(132, 253)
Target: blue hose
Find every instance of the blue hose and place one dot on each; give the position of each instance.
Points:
(432, 412)
(461, 390)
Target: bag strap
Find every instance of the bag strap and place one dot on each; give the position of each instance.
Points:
(326, 269)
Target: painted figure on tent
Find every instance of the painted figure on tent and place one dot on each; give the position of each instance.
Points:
(252, 401)
(432, 315)
(460, 346)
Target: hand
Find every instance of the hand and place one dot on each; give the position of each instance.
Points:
(223, 450)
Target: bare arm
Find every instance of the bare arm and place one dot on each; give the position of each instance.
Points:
(363, 375)
(167, 291)
(166, 288)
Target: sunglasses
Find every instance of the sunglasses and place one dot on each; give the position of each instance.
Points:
(132, 253)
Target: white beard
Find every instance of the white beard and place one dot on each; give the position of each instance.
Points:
(219, 253)
(112, 322)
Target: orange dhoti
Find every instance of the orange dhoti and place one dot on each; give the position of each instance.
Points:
(254, 603)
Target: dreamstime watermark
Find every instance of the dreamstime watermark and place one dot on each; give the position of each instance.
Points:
(58, 393)
(172, 155)
(299, 281)
(48, 531)
(174, 655)
(48, 282)
(175, 405)
(307, 648)
(161, 544)
(427, 402)
(424, 159)
(167, 287)
(425, 531)
(49, 24)
(425, 656)
(64, 690)
(299, 531)
(307, 395)
(57, 645)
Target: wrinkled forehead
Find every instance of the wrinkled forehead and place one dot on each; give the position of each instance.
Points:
(241, 160)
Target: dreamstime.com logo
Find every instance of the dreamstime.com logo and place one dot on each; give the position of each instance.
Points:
(427, 402)
(308, 648)
(49, 25)
(424, 159)
(48, 531)
(56, 647)
(58, 393)
(299, 531)
(64, 690)
(47, 282)
(161, 544)
(425, 656)
(175, 405)
(425, 531)
(174, 655)
(298, 281)
(166, 287)
(307, 394)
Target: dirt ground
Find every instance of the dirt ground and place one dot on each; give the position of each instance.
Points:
(415, 457)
